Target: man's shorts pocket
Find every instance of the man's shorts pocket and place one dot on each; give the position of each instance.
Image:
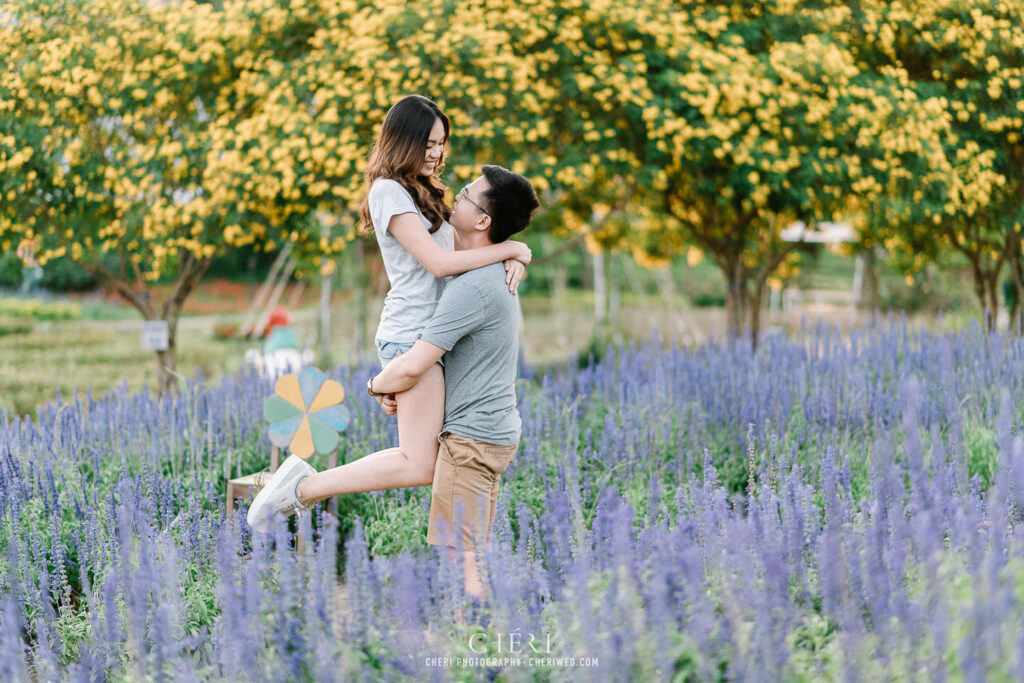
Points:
(500, 457)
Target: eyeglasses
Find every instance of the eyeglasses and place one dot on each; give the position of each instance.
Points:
(464, 194)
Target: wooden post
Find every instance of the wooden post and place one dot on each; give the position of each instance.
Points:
(600, 294)
(332, 503)
(360, 283)
(325, 303)
(252, 315)
(332, 462)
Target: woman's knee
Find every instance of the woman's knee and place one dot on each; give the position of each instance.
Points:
(421, 465)
(426, 470)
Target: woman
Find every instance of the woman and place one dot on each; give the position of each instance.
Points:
(405, 208)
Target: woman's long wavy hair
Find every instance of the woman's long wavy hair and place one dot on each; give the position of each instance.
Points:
(399, 153)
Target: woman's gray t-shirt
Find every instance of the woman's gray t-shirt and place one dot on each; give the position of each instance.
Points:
(414, 292)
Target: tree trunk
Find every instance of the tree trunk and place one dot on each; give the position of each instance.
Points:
(586, 271)
(869, 291)
(735, 299)
(559, 283)
(166, 363)
(755, 312)
(986, 280)
(979, 291)
(600, 295)
(191, 272)
(986, 288)
(1016, 263)
(993, 300)
(614, 293)
(666, 285)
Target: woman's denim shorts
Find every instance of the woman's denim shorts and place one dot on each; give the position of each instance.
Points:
(388, 351)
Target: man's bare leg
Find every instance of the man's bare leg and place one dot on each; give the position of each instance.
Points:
(420, 418)
(471, 575)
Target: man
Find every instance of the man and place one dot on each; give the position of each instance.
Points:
(475, 327)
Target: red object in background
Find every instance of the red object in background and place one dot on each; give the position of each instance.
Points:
(279, 317)
(224, 330)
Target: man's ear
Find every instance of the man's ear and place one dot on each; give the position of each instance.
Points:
(484, 223)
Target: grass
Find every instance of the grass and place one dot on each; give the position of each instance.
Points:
(73, 357)
(101, 349)
(98, 309)
(97, 353)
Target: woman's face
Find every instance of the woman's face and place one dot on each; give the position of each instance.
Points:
(435, 149)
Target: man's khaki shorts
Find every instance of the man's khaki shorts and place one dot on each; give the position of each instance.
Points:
(465, 490)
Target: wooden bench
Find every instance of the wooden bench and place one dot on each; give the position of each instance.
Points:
(244, 487)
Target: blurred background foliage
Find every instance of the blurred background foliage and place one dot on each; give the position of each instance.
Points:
(147, 146)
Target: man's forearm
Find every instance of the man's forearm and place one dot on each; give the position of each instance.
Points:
(398, 376)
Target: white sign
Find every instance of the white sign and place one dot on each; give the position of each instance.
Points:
(154, 335)
(823, 232)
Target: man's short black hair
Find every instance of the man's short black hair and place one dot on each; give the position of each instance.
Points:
(510, 201)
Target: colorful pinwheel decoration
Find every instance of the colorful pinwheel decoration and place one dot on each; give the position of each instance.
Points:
(306, 413)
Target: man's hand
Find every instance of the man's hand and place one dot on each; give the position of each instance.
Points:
(515, 273)
(388, 403)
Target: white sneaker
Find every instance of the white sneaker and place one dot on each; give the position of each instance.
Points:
(280, 493)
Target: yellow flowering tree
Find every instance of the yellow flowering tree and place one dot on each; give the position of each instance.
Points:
(109, 115)
(715, 124)
(729, 122)
(966, 59)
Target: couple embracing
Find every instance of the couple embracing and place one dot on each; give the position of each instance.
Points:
(447, 340)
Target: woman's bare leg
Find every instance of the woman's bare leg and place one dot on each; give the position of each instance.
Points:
(420, 417)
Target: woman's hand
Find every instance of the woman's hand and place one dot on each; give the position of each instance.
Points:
(521, 252)
(515, 273)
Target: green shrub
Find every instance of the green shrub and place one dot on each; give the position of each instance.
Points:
(10, 270)
(707, 297)
(36, 309)
(9, 326)
(64, 275)
(59, 275)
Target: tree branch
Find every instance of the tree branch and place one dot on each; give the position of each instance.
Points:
(185, 273)
(192, 272)
(574, 241)
(766, 271)
(951, 233)
(139, 280)
(125, 290)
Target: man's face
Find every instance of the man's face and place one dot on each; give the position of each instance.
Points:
(468, 213)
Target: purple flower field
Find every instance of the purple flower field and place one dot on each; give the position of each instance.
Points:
(827, 507)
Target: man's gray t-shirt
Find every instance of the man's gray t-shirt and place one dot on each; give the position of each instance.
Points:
(477, 322)
(414, 291)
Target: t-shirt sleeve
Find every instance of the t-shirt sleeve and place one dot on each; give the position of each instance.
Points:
(388, 198)
(461, 310)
